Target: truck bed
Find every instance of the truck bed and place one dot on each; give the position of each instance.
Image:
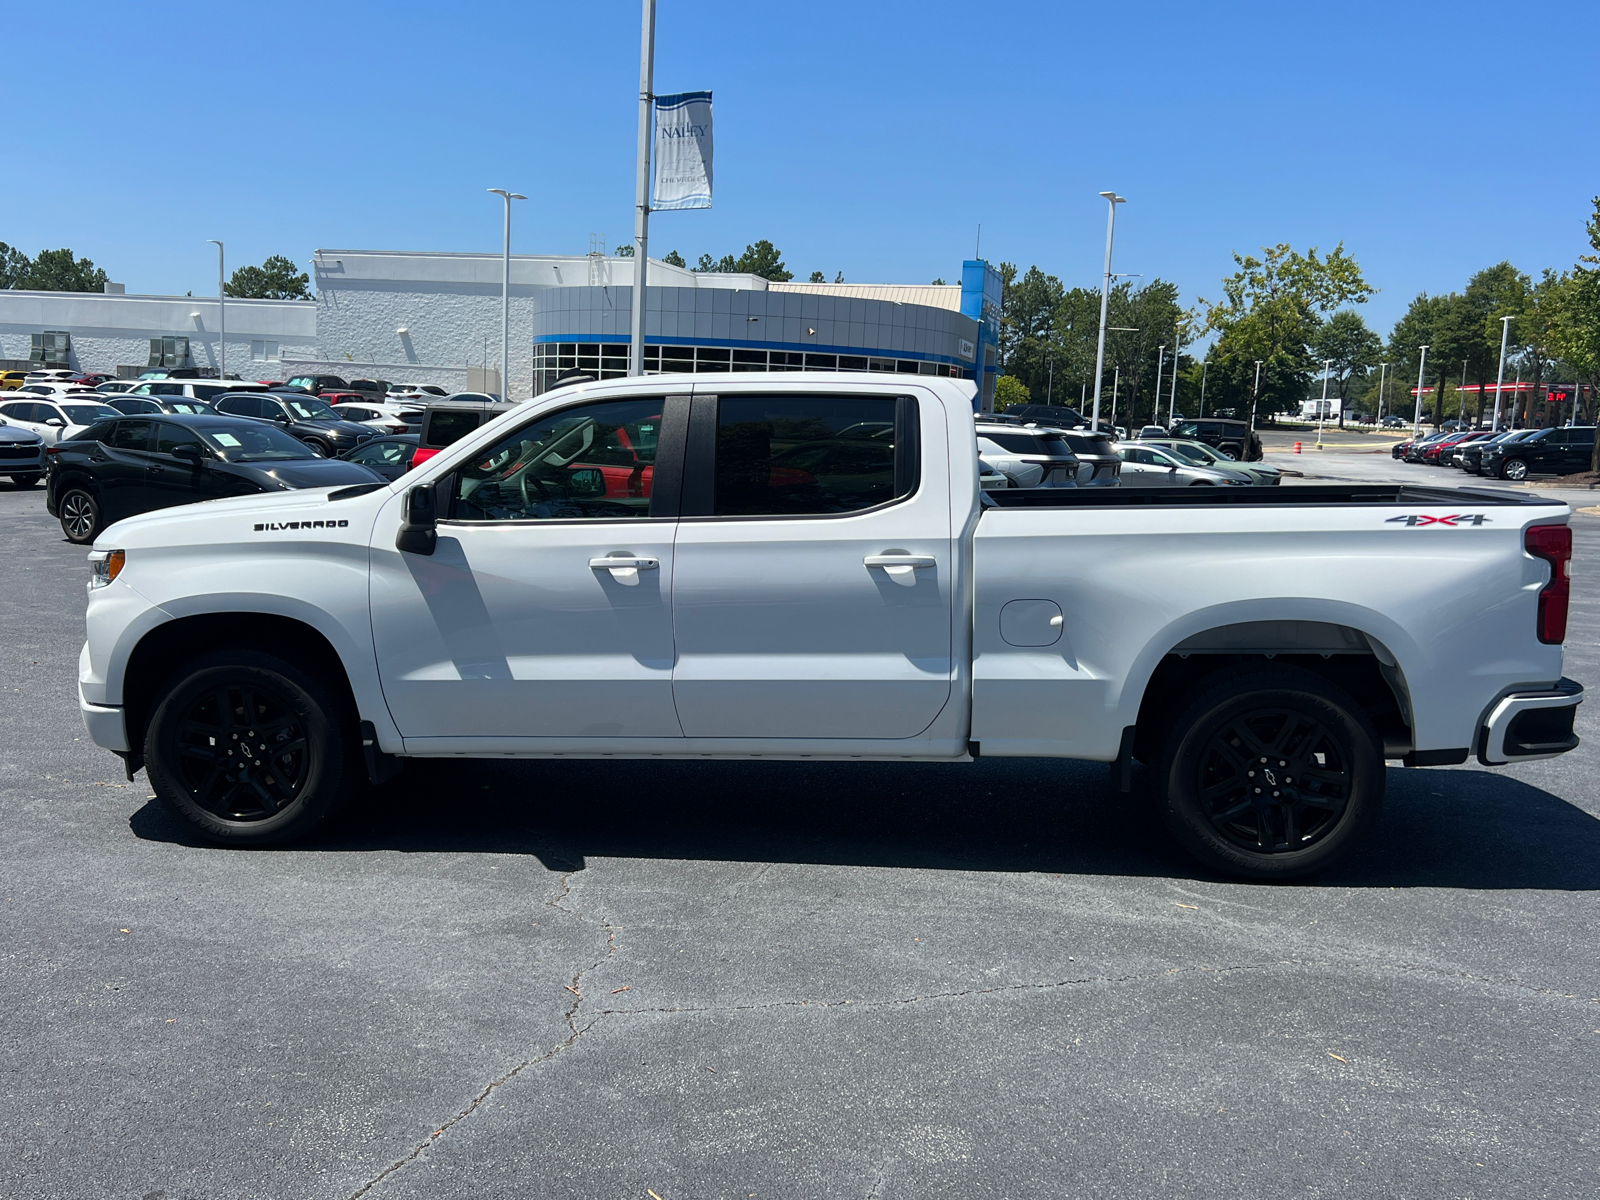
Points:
(1315, 495)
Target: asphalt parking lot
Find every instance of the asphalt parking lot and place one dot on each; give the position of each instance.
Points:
(605, 979)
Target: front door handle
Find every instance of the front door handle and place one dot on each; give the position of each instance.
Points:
(625, 568)
(900, 564)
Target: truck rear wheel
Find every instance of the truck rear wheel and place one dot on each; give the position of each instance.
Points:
(1270, 773)
(247, 749)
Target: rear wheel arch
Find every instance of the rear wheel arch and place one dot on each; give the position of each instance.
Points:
(1347, 657)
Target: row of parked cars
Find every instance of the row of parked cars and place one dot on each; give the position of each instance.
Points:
(1512, 454)
(111, 452)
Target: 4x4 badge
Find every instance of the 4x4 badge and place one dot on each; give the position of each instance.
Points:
(1457, 521)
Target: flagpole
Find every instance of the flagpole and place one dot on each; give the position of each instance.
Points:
(641, 218)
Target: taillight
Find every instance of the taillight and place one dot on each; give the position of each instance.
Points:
(422, 455)
(1553, 543)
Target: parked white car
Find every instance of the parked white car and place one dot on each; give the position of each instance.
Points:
(1029, 458)
(55, 417)
(724, 571)
(1144, 465)
(383, 414)
(1201, 455)
(193, 389)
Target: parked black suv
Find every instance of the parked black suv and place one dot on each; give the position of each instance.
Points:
(317, 384)
(1231, 437)
(308, 418)
(115, 469)
(1547, 452)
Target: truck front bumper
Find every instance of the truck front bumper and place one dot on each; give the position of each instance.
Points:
(1526, 726)
(106, 726)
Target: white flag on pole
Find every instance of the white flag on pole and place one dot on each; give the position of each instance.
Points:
(683, 151)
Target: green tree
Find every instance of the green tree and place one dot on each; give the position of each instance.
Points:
(673, 259)
(1270, 310)
(1492, 293)
(706, 263)
(818, 277)
(623, 251)
(1574, 306)
(61, 271)
(275, 279)
(1009, 390)
(764, 259)
(14, 266)
(1417, 328)
(839, 278)
(1345, 341)
(939, 282)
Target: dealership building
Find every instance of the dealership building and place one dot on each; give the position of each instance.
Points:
(435, 318)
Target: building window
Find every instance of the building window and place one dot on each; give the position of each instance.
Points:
(169, 352)
(262, 350)
(51, 346)
(609, 360)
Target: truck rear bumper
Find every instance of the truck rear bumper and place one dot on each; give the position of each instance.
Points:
(1526, 726)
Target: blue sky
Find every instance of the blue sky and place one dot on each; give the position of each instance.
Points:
(872, 138)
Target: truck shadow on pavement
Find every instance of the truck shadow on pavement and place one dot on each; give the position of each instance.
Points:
(1440, 828)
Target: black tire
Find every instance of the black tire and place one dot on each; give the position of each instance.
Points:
(1514, 469)
(229, 700)
(320, 446)
(1202, 483)
(25, 481)
(1305, 728)
(80, 516)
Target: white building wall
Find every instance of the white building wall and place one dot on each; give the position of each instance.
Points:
(449, 307)
(109, 331)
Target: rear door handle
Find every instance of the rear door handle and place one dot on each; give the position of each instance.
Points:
(900, 564)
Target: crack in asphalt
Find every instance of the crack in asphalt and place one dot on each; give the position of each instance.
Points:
(570, 1016)
(577, 1031)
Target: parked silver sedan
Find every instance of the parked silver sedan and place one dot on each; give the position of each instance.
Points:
(1201, 455)
(1144, 465)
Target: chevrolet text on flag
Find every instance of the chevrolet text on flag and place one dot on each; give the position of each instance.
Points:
(683, 151)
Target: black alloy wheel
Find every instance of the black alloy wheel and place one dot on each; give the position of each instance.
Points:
(320, 447)
(80, 516)
(1514, 469)
(1271, 773)
(248, 749)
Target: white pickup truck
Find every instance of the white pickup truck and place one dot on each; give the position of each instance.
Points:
(802, 566)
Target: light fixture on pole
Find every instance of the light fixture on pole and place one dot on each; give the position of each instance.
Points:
(222, 315)
(641, 216)
(1322, 406)
(1112, 200)
(1500, 381)
(1255, 395)
(1416, 420)
(505, 296)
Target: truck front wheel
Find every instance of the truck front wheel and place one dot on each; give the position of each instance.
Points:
(247, 749)
(1270, 772)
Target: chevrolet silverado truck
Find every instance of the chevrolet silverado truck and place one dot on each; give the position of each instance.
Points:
(796, 566)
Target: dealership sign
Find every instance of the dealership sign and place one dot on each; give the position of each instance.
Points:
(683, 151)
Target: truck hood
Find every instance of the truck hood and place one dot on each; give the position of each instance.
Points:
(234, 520)
(312, 473)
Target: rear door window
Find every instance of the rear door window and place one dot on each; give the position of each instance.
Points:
(804, 455)
(445, 427)
(130, 435)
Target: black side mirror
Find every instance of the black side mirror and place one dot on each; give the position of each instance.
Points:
(189, 454)
(418, 515)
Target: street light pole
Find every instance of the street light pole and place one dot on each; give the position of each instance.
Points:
(222, 315)
(1172, 400)
(1205, 365)
(1416, 420)
(1112, 200)
(641, 218)
(505, 297)
(1500, 381)
(1161, 361)
(1383, 383)
(1322, 408)
(1116, 383)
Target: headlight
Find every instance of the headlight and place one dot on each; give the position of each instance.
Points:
(105, 565)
